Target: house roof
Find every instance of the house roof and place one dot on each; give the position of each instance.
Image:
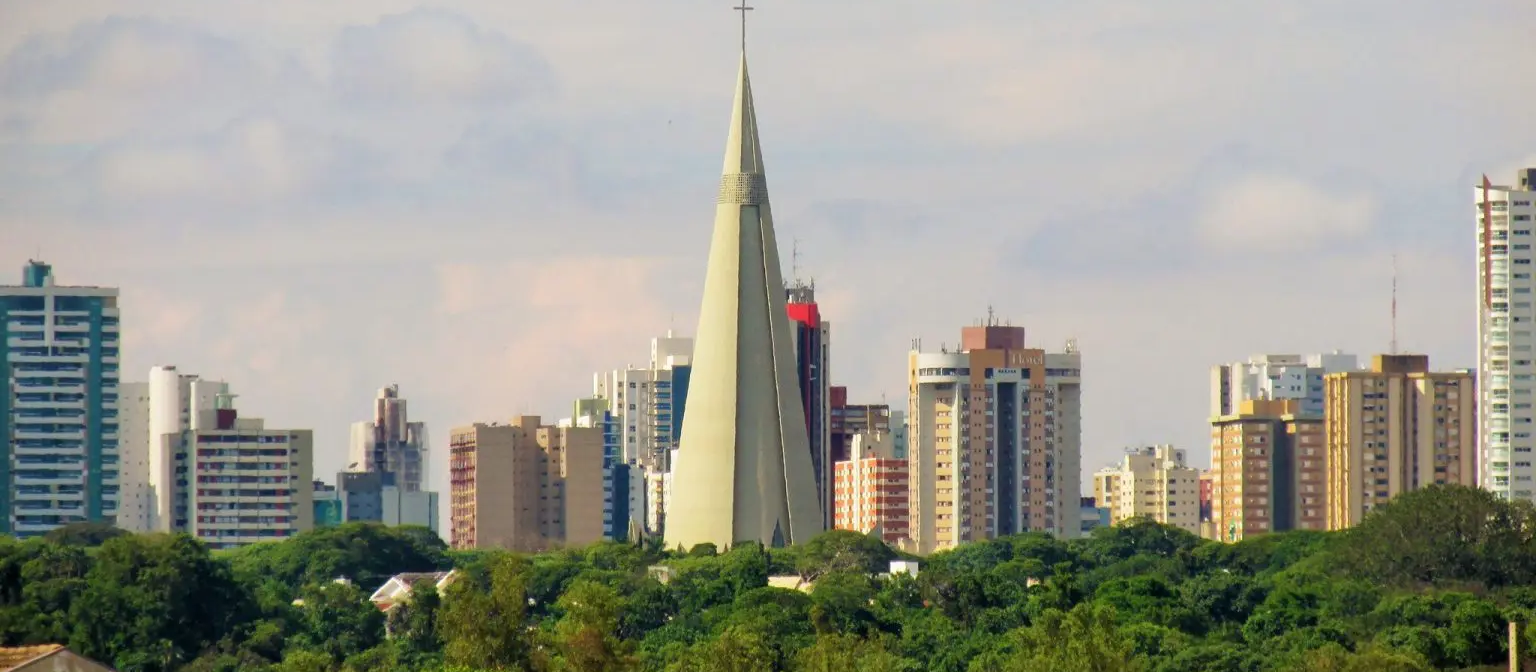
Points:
(15, 656)
(400, 585)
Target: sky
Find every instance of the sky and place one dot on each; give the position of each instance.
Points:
(486, 202)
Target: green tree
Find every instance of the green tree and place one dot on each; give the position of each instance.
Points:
(1443, 534)
(587, 633)
(152, 602)
(844, 653)
(836, 551)
(1083, 640)
(83, 534)
(339, 620)
(483, 621)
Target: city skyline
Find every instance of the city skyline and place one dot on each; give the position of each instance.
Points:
(269, 272)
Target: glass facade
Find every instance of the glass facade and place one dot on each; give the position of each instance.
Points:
(59, 407)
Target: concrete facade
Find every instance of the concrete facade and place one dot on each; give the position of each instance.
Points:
(1395, 428)
(1151, 482)
(1267, 470)
(743, 468)
(1295, 377)
(390, 443)
(1506, 359)
(525, 486)
(994, 439)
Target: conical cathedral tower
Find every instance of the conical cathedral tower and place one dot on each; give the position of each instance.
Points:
(743, 468)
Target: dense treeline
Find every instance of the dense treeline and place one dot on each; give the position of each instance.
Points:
(1428, 582)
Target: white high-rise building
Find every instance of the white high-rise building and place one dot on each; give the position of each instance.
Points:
(136, 499)
(1298, 377)
(1506, 373)
(224, 479)
(58, 404)
(645, 402)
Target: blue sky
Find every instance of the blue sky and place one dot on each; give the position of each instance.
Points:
(485, 202)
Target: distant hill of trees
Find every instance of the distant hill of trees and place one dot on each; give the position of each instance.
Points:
(1428, 582)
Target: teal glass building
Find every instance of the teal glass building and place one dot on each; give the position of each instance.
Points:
(59, 404)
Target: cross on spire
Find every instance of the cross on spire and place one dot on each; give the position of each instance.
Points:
(744, 8)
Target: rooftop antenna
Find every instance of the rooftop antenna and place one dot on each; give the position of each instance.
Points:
(744, 8)
(794, 256)
(1394, 303)
(991, 319)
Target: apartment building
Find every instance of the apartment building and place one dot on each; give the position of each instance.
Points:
(58, 404)
(207, 471)
(1506, 363)
(1151, 482)
(1394, 428)
(1295, 377)
(647, 402)
(812, 337)
(850, 420)
(994, 439)
(525, 486)
(391, 444)
(249, 483)
(871, 492)
(624, 487)
(1267, 470)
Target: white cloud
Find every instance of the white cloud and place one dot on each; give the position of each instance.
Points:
(434, 56)
(1282, 213)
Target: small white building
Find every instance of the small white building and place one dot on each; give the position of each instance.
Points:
(397, 590)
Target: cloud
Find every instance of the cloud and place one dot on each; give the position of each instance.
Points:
(125, 75)
(1283, 213)
(539, 328)
(434, 57)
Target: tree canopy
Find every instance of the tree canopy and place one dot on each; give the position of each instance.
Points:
(1426, 582)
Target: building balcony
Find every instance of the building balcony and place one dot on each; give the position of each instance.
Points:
(21, 435)
(64, 479)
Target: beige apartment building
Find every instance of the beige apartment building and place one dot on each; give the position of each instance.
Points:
(1267, 470)
(1395, 428)
(994, 439)
(525, 486)
(1151, 482)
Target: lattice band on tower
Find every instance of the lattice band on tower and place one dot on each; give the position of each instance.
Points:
(743, 189)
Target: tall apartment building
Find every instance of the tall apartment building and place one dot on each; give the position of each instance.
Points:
(624, 487)
(850, 420)
(1506, 363)
(995, 439)
(813, 367)
(227, 480)
(1151, 482)
(58, 408)
(136, 498)
(1395, 428)
(647, 403)
(525, 486)
(1267, 470)
(1295, 377)
(871, 491)
(391, 444)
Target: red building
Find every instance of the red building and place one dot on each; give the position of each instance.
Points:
(812, 356)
